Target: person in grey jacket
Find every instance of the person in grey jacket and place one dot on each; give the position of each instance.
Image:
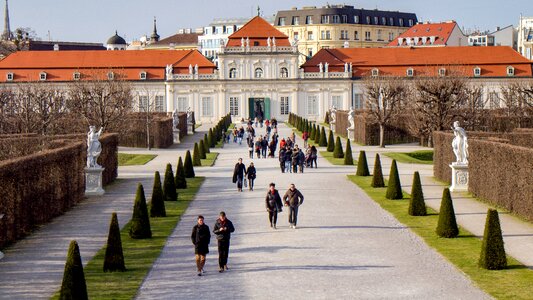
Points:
(223, 229)
(293, 199)
(273, 204)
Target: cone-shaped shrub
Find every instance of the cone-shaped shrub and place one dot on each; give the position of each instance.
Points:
(492, 250)
(206, 144)
(187, 165)
(337, 152)
(196, 156)
(73, 286)
(317, 135)
(348, 158)
(447, 226)
(417, 206)
(377, 177)
(201, 150)
(181, 182)
(312, 133)
(326, 118)
(169, 185)
(394, 189)
(362, 165)
(157, 203)
(323, 142)
(140, 224)
(211, 139)
(331, 142)
(114, 258)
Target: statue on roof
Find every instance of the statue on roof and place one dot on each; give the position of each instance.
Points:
(346, 68)
(190, 69)
(169, 70)
(196, 69)
(274, 41)
(268, 42)
(242, 42)
(247, 42)
(326, 67)
(321, 67)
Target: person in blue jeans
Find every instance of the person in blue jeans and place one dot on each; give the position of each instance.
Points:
(293, 199)
(223, 229)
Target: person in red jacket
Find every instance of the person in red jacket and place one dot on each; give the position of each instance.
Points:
(305, 137)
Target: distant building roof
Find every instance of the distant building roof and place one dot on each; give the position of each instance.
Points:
(257, 30)
(180, 39)
(116, 40)
(63, 46)
(440, 32)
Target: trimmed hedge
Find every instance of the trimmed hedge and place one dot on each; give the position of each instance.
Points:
(417, 206)
(179, 179)
(447, 226)
(187, 165)
(394, 188)
(323, 141)
(114, 257)
(337, 152)
(73, 285)
(157, 203)
(377, 177)
(331, 142)
(362, 165)
(196, 162)
(348, 157)
(169, 185)
(492, 250)
(140, 223)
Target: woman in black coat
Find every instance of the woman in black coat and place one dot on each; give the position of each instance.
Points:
(200, 237)
(250, 174)
(238, 174)
(273, 204)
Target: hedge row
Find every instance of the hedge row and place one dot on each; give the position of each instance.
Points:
(161, 133)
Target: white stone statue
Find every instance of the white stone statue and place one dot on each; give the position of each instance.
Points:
(326, 67)
(268, 42)
(169, 71)
(94, 148)
(248, 42)
(274, 41)
(351, 118)
(333, 114)
(321, 67)
(351, 67)
(345, 67)
(460, 144)
(190, 69)
(242, 42)
(175, 119)
(189, 115)
(196, 69)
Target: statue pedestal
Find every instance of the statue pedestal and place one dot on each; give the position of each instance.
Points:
(176, 134)
(190, 128)
(351, 135)
(93, 181)
(459, 177)
(332, 126)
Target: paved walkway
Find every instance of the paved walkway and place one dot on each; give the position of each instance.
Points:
(346, 246)
(33, 267)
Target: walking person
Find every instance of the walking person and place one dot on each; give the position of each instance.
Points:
(305, 137)
(250, 174)
(281, 158)
(250, 147)
(288, 159)
(273, 204)
(295, 159)
(238, 174)
(293, 199)
(223, 229)
(258, 147)
(314, 156)
(301, 160)
(264, 146)
(201, 236)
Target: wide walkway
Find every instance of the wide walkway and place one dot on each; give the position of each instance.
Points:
(33, 267)
(345, 247)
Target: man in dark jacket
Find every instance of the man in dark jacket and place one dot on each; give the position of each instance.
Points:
(251, 174)
(293, 199)
(223, 229)
(295, 159)
(264, 146)
(238, 174)
(201, 236)
(273, 204)
(281, 157)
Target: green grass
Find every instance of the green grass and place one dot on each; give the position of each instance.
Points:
(334, 161)
(125, 159)
(210, 159)
(416, 157)
(463, 252)
(139, 255)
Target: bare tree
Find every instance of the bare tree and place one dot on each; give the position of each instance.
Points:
(473, 110)
(7, 110)
(102, 99)
(384, 97)
(148, 105)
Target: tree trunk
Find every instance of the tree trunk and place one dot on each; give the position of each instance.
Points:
(381, 135)
(148, 133)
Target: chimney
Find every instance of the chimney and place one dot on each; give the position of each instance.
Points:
(56, 47)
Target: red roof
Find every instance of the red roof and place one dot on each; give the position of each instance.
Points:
(441, 31)
(60, 65)
(257, 30)
(493, 61)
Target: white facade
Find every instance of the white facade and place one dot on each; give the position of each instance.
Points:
(525, 37)
(457, 38)
(216, 36)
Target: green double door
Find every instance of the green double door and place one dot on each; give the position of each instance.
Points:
(259, 107)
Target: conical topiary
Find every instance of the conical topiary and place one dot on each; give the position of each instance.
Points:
(157, 203)
(201, 150)
(187, 165)
(169, 185)
(394, 188)
(377, 177)
(323, 142)
(417, 206)
(492, 249)
(348, 157)
(211, 139)
(181, 182)
(331, 142)
(196, 156)
(206, 144)
(312, 133)
(362, 165)
(140, 223)
(114, 257)
(317, 136)
(73, 285)
(337, 152)
(447, 226)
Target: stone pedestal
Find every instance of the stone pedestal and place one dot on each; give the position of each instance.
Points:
(351, 135)
(176, 134)
(190, 128)
(93, 181)
(459, 177)
(332, 126)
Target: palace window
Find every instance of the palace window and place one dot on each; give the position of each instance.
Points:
(207, 106)
(356, 35)
(391, 21)
(160, 105)
(494, 100)
(76, 76)
(183, 103)
(296, 35)
(344, 34)
(356, 19)
(410, 72)
(309, 20)
(391, 36)
(281, 22)
(312, 105)
(376, 21)
(42, 76)
(344, 19)
(232, 73)
(379, 35)
(368, 20)
(358, 102)
(400, 22)
(368, 37)
(295, 20)
(325, 35)
(258, 73)
(510, 71)
(144, 104)
(477, 71)
(336, 101)
(110, 75)
(142, 75)
(284, 105)
(411, 23)
(375, 72)
(325, 19)
(383, 21)
(336, 19)
(442, 72)
(284, 73)
(310, 36)
(10, 76)
(234, 106)
(310, 52)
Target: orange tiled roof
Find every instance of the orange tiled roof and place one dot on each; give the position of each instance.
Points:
(60, 65)
(441, 31)
(493, 61)
(257, 30)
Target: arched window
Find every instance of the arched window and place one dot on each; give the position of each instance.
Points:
(232, 73)
(284, 73)
(258, 73)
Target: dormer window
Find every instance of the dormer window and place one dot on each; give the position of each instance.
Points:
(442, 72)
(477, 71)
(410, 72)
(10, 76)
(42, 76)
(258, 73)
(142, 75)
(510, 71)
(375, 72)
(76, 76)
(110, 75)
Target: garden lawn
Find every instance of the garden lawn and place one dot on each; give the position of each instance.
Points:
(334, 161)
(210, 159)
(139, 255)
(463, 251)
(125, 159)
(416, 157)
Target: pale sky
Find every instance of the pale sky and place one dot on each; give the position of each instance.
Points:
(97, 20)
